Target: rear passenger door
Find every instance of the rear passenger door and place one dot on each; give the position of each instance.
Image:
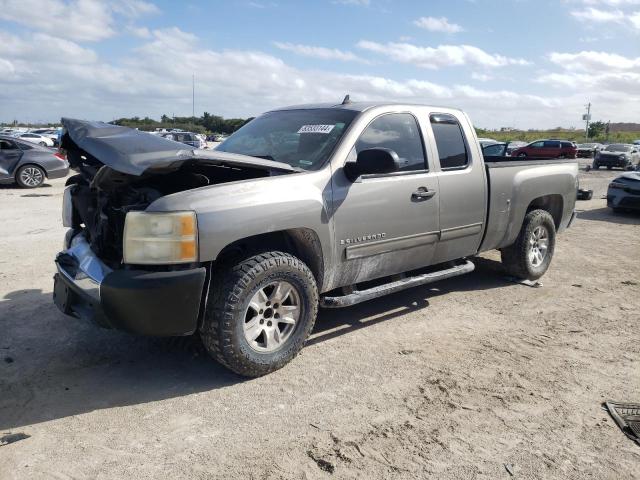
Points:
(463, 187)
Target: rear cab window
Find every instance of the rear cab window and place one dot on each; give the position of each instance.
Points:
(453, 151)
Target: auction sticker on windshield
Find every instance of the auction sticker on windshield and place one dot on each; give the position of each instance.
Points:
(316, 129)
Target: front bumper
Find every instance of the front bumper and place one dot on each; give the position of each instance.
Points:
(612, 162)
(618, 198)
(135, 301)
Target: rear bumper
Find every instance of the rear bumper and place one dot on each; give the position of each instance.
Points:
(135, 301)
(58, 172)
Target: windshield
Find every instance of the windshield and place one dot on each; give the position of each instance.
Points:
(300, 138)
(618, 147)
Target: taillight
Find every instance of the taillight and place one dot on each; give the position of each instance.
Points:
(60, 156)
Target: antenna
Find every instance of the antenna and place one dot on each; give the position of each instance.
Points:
(346, 100)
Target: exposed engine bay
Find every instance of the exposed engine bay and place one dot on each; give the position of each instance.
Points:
(101, 196)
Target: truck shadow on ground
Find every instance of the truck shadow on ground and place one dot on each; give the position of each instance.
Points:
(53, 367)
(605, 214)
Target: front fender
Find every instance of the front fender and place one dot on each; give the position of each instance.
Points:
(233, 211)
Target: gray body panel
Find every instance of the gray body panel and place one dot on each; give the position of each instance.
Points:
(372, 228)
(12, 160)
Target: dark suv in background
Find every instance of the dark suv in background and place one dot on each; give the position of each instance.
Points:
(547, 149)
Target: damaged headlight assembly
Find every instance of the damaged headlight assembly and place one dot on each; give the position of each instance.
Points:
(160, 238)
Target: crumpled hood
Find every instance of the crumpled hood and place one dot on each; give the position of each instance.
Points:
(630, 176)
(131, 151)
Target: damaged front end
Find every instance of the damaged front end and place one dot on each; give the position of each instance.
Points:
(122, 171)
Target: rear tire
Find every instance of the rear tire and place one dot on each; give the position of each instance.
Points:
(260, 313)
(530, 256)
(30, 176)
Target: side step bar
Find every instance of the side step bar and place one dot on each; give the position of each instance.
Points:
(359, 296)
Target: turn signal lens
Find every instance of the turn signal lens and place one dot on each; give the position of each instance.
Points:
(160, 238)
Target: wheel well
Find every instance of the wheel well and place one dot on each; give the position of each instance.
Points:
(46, 174)
(552, 204)
(301, 242)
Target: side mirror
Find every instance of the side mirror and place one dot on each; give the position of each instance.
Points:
(373, 161)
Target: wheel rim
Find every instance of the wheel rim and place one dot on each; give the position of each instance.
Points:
(31, 176)
(538, 246)
(272, 316)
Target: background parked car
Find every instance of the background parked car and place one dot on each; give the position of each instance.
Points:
(588, 150)
(624, 192)
(495, 150)
(512, 146)
(187, 138)
(547, 149)
(51, 133)
(28, 164)
(486, 141)
(35, 138)
(621, 155)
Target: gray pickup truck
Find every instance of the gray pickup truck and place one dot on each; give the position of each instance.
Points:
(306, 206)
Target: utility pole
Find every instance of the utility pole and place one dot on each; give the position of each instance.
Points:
(587, 117)
(193, 95)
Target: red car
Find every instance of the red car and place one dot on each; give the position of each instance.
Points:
(547, 149)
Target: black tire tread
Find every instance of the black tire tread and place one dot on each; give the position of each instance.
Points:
(514, 257)
(29, 165)
(228, 293)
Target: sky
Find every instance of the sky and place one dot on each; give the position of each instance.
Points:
(518, 63)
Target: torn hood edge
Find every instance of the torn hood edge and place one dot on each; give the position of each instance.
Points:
(133, 152)
(631, 176)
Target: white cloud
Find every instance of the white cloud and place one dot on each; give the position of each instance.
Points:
(440, 24)
(361, 3)
(441, 56)
(481, 77)
(79, 20)
(319, 52)
(599, 16)
(590, 61)
(611, 3)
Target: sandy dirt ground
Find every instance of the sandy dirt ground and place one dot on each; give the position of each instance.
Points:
(474, 377)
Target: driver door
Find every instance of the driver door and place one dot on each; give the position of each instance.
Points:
(384, 223)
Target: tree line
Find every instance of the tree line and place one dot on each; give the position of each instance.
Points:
(207, 123)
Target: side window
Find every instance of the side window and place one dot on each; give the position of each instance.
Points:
(452, 148)
(6, 145)
(537, 145)
(551, 144)
(398, 132)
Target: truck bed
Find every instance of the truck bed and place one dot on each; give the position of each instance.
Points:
(515, 183)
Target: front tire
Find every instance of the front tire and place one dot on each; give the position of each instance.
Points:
(522, 155)
(530, 256)
(30, 176)
(260, 313)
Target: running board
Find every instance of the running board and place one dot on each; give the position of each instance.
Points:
(359, 296)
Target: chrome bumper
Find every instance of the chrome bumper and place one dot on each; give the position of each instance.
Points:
(90, 271)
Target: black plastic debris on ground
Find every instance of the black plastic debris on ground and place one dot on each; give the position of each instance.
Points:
(12, 438)
(627, 416)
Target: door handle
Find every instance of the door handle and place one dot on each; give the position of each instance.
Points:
(422, 194)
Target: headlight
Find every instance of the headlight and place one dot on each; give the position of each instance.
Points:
(160, 238)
